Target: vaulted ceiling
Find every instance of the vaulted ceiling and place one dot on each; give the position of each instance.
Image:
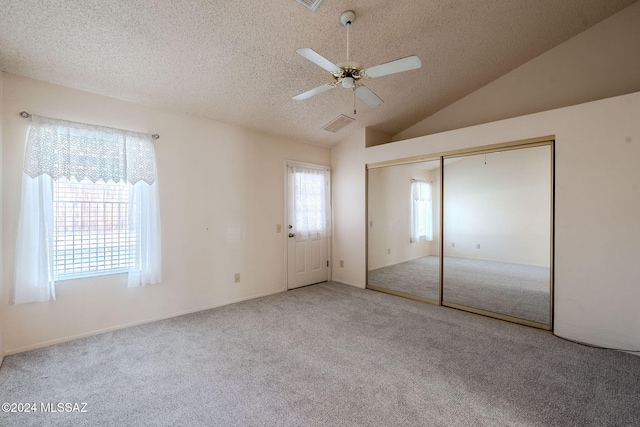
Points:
(236, 62)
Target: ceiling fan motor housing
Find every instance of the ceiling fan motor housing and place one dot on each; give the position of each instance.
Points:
(349, 70)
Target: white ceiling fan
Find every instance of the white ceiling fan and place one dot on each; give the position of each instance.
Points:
(349, 73)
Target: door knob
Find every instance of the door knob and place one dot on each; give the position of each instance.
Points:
(291, 235)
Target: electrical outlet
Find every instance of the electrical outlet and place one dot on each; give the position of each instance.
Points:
(388, 251)
(453, 244)
(236, 278)
(478, 246)
(341, 263)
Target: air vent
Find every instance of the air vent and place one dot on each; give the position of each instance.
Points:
(311, 4)
(338, 123)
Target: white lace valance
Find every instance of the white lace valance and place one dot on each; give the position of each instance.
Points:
(420, 190)
(61, 148)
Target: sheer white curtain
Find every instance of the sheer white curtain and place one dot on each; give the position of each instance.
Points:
(311, 217)
(421, 211)
(63, 149)
(34, 251)
(144, 219)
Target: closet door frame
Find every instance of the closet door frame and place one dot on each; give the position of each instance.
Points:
(442, 156)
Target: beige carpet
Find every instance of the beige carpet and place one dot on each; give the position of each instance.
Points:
(326, 355)
(517, 290)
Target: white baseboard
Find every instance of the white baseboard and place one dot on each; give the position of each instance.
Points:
(128, 325)
(349, 284)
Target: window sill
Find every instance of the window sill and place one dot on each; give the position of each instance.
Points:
(89, 276)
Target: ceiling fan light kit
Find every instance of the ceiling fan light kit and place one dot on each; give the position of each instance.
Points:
(349, 73)
(348, 82)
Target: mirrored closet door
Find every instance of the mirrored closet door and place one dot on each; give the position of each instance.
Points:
(488, 211)
(497, 233)
(404, 230)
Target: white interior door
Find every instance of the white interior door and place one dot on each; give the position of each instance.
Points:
(308, 225)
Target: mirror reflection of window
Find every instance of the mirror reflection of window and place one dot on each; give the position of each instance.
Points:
(421, 211)
(403, 231)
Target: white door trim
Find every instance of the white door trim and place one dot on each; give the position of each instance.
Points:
(285, 230)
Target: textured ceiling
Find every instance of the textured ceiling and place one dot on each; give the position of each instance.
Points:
(235, 61)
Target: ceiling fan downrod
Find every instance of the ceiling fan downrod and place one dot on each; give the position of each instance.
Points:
(347, 19)
(350, 71)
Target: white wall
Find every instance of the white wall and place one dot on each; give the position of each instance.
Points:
(348, 183)
(597, 227)
(502, 202)
(389, 218)
(221, 197)
(598, 63)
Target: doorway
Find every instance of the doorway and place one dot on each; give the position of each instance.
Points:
(308, 224)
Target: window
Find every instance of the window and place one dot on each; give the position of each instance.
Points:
(91, 233)
(89, 207)
(310, 216)
(421, 211)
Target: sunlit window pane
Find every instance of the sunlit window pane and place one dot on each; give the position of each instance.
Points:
(91, 233)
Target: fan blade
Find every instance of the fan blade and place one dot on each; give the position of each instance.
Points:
(315, 91)
(397, 66)
(368, 97)
(318, 59)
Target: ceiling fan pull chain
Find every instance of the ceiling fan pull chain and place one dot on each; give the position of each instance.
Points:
(354, 102)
